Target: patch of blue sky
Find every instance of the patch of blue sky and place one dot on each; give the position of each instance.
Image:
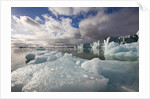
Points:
(111, 10)
(76, 20)
(29, 11)
(55, 33)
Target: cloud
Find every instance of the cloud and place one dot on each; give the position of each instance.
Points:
(38, 19)
(69, 11)
(25, 24)
(123, 22)
(52, 32)
(60, 29)
(29, 22)
(24, 30)
(27, 31)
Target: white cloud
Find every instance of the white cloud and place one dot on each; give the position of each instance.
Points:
(29, 22)
(61, 11)
(68, 11)
(38, 19)
(62, 28)
(52, 32)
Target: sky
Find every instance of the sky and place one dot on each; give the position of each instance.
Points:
(69, 26)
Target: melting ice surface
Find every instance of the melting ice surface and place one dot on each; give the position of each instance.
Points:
(55, 71)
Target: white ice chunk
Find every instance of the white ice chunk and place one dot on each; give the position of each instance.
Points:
(120, 73)
(129, 51)
(51, 77)
(85, 76)
(40, 48)
(44, 56)
(51, 58)
(78, 63)
(66, 54)
(92, 65)
(39, 59)
(59, 54)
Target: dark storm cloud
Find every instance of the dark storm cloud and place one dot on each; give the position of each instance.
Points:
(123, 22)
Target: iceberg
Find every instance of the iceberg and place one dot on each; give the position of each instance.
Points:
(40, 48)
(114, 48)
(30, 56)
(94, 45)
(137, 33)
(92, 65)
(116, 51)
(123, 75)
(123, 39)
(64, 74)
(44, 56)
(97, 45)
(82, 46)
